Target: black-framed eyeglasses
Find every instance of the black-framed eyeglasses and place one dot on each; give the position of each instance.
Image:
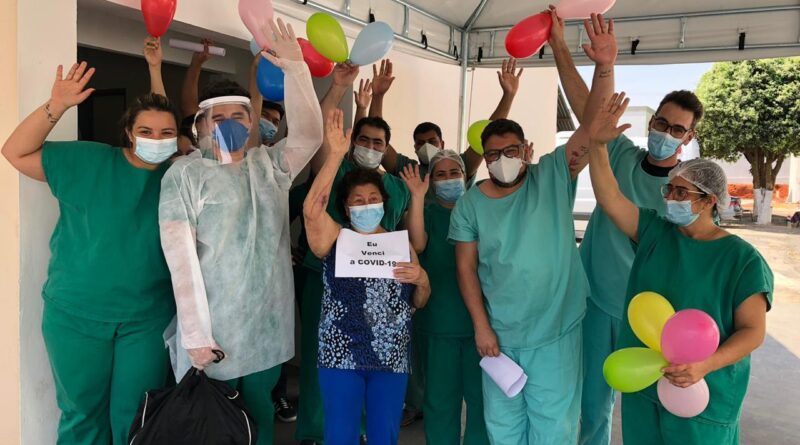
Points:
(678, 192)
(663, 125)
(512, 151)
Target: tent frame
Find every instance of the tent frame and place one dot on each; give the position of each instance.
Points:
(464, 59)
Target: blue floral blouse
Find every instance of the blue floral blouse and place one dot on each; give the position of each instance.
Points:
(365, 323)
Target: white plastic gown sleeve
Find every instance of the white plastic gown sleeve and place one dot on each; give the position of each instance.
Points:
(178, 223)
(303, 121)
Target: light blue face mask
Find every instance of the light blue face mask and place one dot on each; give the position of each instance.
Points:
(449, 190)
(155, 151)
(366, 218)
(680, 212)
(268, 130)
(662, 145)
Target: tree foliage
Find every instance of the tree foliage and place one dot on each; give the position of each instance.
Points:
(752, 109)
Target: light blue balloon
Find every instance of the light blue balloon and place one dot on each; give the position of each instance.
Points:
(372, 43)
(254, 48)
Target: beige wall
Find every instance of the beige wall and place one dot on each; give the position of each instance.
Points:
(9, 231)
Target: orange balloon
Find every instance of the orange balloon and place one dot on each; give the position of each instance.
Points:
(529, 36)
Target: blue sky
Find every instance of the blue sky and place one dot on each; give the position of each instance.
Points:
(647, 84)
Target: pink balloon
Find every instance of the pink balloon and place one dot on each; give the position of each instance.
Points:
(255, 15)
(690, 336)
(582, 9)
(683, 402)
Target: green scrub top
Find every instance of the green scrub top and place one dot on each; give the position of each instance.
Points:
(430, 197)
(607, 254)
(712, 276)
(531, 275)
(445, 314)
(399, 198)
(106, 260)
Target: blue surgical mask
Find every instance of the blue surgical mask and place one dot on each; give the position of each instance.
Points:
(449, 190)
(268, 130)
(662, 145)
(155, 151)
(367, 157)
(366, 218)
(230, 135)
(680, 212)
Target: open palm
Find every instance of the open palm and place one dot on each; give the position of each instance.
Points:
(416, 183)
(336, 138)
(603, 48)
(68, 90)
(603, 128)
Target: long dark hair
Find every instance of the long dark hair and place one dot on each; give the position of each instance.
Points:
(147, 102)
(351, 180)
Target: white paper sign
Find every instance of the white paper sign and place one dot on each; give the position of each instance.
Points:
(370, 256)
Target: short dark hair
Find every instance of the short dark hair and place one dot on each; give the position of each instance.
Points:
(426, 127)
(270, 105)
(223, 87)
(185, 129)
(501, 127)
(351, 180)
(372, 122)
(146, 102)
(687, 100)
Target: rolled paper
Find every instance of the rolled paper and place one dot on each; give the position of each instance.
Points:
(196, 47)
(508, 375)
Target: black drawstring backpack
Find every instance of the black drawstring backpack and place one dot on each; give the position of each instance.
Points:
(199, 411)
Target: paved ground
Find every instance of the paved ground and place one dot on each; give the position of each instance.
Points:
(771, 414)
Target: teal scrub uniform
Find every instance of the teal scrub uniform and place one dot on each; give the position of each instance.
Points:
(712, 276)
(254, 388)
(535, 294)
(310, 424)
(108, 295)
(451, 361)
(607, 256)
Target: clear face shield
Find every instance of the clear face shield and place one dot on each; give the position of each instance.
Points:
(222, 127)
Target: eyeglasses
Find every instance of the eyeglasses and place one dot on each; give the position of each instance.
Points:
(678, 192)
(663, 125)
(512, 151)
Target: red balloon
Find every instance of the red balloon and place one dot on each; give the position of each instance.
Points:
(158, 15)
(529, 36)
(317, 63)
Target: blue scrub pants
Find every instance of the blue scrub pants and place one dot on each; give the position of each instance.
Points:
(600, 332)
(547, 410)
(344, 393)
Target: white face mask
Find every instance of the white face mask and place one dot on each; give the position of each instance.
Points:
(505, 170)
(426, 153)
(367, 157)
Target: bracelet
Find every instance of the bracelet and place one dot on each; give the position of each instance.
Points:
(50, 116)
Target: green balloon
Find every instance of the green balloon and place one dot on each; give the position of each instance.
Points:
(327, 37)
(633, 369)
(474, 135)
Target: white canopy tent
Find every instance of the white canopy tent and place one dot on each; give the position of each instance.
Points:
(472, 32)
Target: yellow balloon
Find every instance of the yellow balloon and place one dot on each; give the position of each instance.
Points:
(474, 135)
(648, 312)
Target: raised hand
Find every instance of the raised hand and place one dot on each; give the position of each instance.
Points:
(417, 184)
(364, 94)
(336, 138)
(382, 79)
(603, 47)
(69, 91)
(199, 58)
(283, 44)
(557, 29)
(344, 74)
(152, 51)
(509, 80)
(603, 128)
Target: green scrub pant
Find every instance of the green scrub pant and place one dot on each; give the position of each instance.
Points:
(415, 391)
(453, 374)
(547, 410)
(600, 332)
(101, 372)
(256, 392)
(645, 422)
(310, 424)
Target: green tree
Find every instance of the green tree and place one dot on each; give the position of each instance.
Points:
(752, 109)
